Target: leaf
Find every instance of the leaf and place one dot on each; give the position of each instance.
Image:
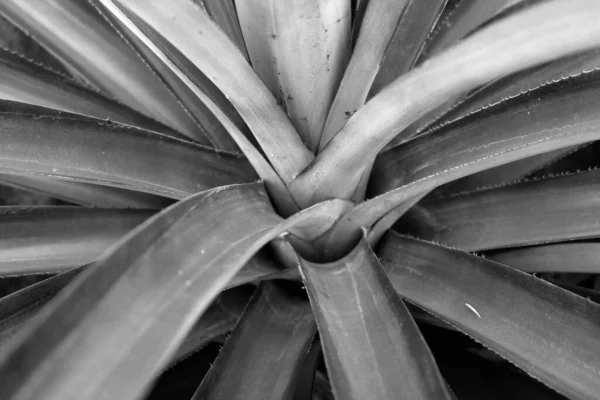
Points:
(223, 12)
(548, 332)
(526, 81)
(534, 212)
(219, 319)
(299, 50)
(208, 126)
(271, 340)
(513, 130)
(85, 194)
(372, 346)
(416, 23)
(29, 82)
(499, 49)
(44, 142)
(560, 257)
(46, 239)
(504, 174)
(201, 40)
(460, 21)
(19, 308)
(305, 388)
(122, 319)
(376, 31)
(77, 34)
(283, 200)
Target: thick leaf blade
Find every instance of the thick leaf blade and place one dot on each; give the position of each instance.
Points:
(510, 134)
(525, 81)
(223, 12)
(418, 19)
(51, 239)
(188, 76)
(26, 81)
(372, 346)
(527, 213)
(560, 257)
(299, 50)
(209, 131)
(376, 31)
(220, 60)
(123, 319)
(45, 142)
(85, 194)
(563, 107)
(76, 33)
(462, 19)
(500, 49)
(19, 308)
(263, 357)
(550, 333)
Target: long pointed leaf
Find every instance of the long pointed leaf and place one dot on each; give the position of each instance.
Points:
(372, 346)
(223, 12)
(27, 82)
(464, 17)
(123, 318)
(300, 50)
(263, 356)
(515, 130)
(208, 128)
(77, 34)
(51, 239)
(500, 49)
(283, 200)
(418, 19)
(550, 333)
(561, 257)
(522, 214)
(376, 31)
(85, 194)
(201, 40)
(40, 141)
(18, 309)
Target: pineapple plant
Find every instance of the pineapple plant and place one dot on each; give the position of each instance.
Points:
(338, 192)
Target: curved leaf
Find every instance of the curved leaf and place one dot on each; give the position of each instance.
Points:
(550, 333)
(201, 40)
(78, 35)
(376, 31)
(499, 49)
(372, 346)
(208, 127)
(417, 22)
(299, 50)
(561, 257)
(18, 309)
(283, 200)
(541, 211)
(122, 319)
(514, 130)
(263, 357)
(28, 82)
(46, 239)
(85, 194)
(45, 142)
(223, 12)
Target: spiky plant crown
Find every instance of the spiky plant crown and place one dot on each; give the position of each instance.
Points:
(225, 158)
